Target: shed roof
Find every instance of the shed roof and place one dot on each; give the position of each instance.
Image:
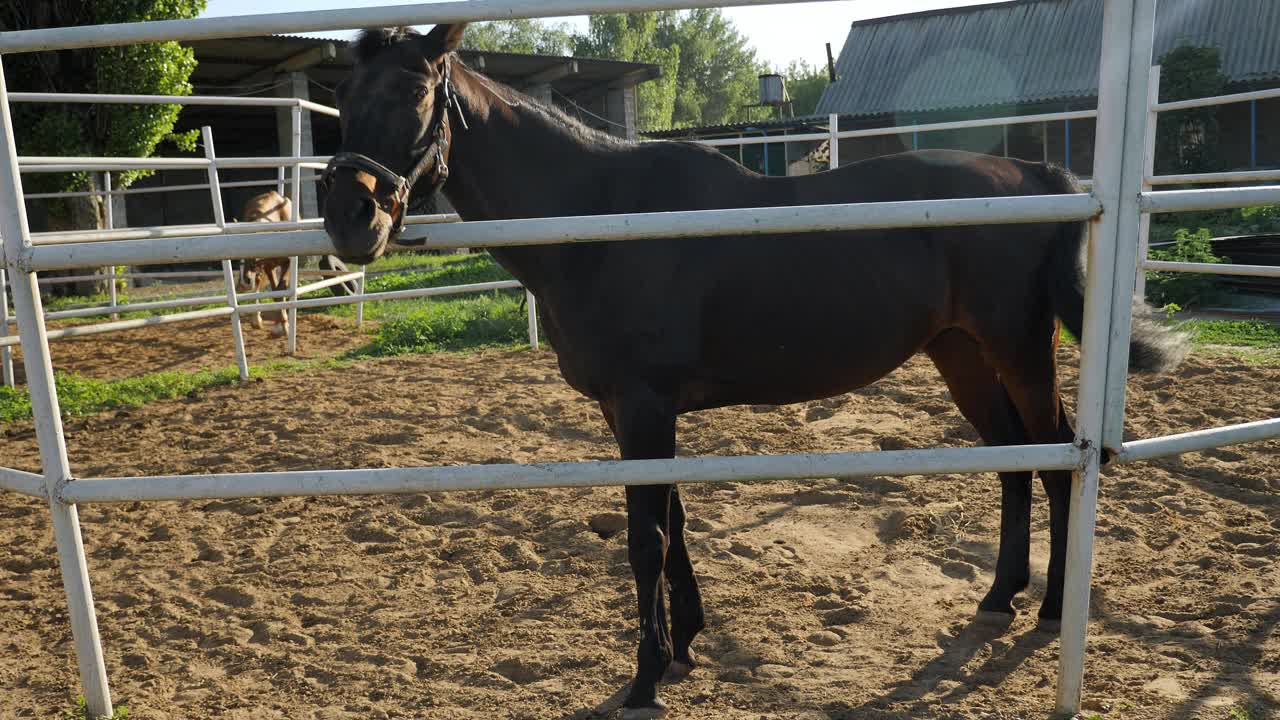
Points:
(1028, 52)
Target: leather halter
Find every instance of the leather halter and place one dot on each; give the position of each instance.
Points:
(431, 162)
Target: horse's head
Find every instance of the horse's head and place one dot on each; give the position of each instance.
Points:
(261, 274)
(396, 135)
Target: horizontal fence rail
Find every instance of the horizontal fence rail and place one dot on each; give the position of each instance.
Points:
(1171, 201)
(315, 20)
(1216, 100)
(21, 482)
(117, 325)
(1198, 440)
(580, 474)
(598, 228)
(903, 129)
(1213, 268)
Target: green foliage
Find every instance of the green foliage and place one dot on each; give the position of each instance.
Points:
(115, 130)
(84, 396)
(1221, 223)
(520, 36)
(1187, 140)
(718, 71)
(81, 712)
(1240, 333)
(1184, 289)
(492, 319)
(709, 72)
(464, 270)
(805, 84)
(633, 37)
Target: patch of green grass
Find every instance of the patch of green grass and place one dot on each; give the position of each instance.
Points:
(449, 270)
(1239, 333)
(489, 320)
(409, 260)
(79, 396)
(446, 323)
(81, 712)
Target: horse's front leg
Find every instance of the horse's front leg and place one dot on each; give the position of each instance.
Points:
(645, 426)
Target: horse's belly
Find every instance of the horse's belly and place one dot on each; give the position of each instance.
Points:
(781, 375)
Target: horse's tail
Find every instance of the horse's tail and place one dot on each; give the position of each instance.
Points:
(1153, 346)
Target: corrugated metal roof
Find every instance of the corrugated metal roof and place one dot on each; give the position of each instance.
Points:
(1028, 52)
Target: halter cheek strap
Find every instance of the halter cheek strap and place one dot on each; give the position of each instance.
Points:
(433, 159)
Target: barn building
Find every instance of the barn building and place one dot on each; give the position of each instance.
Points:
(1024, 58)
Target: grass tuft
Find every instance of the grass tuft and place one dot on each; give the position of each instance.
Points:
(80, 396)
(81, 712)
(487, 321)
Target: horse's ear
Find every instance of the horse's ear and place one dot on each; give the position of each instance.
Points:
(444, 39)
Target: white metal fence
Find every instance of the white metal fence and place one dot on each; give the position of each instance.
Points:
(234, 304)
(1114, 208)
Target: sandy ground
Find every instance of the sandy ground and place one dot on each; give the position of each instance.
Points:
(831, 599)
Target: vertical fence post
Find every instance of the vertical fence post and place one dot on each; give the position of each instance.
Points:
(229, 278)
(228, 274)
(360, 305)
(292, 330)
(48, 423)
(1149, 169)
(1120, 114)
(833, 126)
(6, 353)
(280, 181)
(111, 225)
(1139, 135)
(532, 303)
(296, 198)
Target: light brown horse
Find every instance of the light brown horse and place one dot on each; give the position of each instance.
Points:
(657, 328)
(263, 274)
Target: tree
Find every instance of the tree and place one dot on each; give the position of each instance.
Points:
(110, 130)
(1187, 140)
(520, 36)
(805, 84)
(718, 71)
(632, 37)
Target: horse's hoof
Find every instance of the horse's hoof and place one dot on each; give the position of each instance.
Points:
(993, 618)
(1049, 625)
(677, 671)
(655, 710)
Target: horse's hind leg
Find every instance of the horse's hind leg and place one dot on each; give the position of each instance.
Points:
(1029, 371)
(982, 399)
(1057, 485)
(687, 618)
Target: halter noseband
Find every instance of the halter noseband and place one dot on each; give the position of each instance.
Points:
(433, 158)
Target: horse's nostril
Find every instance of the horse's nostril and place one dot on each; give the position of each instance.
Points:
(362, 211)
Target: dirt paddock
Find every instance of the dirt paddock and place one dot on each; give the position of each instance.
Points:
(833, 599)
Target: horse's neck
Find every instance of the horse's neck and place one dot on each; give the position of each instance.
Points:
(513, 161)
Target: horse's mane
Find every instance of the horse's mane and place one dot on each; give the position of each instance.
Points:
(371, 43)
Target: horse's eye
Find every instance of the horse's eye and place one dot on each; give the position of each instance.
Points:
(420, 94)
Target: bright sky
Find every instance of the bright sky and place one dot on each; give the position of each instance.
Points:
(780, 33)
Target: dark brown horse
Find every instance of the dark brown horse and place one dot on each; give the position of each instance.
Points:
(656, 328)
